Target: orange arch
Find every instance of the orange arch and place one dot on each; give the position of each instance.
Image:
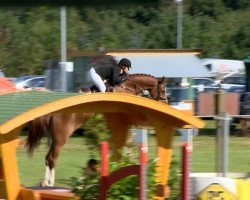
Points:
(101, 102)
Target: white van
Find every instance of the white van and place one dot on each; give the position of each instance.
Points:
(223, 66)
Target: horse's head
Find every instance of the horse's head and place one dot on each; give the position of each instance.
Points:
(147, 85)
(144, 85)
(161, 89)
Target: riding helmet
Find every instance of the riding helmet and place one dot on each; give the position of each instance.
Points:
(125, 62)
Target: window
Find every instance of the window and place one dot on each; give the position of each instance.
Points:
(235, 80)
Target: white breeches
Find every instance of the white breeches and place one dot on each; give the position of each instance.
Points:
(97, 80)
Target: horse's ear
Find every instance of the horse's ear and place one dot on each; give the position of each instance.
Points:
(163, 80)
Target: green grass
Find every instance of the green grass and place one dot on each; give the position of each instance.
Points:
(75, 154)
(204, 154)
(70, 163)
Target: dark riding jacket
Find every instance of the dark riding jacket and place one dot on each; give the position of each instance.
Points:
(111, 74)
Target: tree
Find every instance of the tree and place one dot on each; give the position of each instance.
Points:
(31, 35)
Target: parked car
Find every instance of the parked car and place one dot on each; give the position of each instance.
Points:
(2, 73)
(40, 85)
(28, 81)
(235, 83)
(204, 84)
(21, 79)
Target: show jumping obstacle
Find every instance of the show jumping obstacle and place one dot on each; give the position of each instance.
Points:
(121, 111)
(139, 170)
(60, 126)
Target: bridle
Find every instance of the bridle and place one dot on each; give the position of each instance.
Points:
(159, 85)
(140, 90)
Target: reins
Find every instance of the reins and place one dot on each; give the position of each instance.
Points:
(141, 90)
(124, 87)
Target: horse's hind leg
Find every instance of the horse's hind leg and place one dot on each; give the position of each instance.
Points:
(63, 126)
(118, 127)
(49, 177)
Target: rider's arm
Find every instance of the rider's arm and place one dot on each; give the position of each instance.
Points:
(124, 77)
(118, 77)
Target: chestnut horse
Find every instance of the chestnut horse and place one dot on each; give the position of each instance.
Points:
(60, 126)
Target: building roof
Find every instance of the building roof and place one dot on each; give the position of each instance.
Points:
(6, 86)
(171, 63)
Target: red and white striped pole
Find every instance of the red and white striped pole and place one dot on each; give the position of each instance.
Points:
(104, 168)
(186, 149)
(142, 139)
(143, 171)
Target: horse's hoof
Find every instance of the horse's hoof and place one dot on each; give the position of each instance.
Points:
(46, 184)
(43, 184)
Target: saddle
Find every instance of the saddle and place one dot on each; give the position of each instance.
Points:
(94, 89)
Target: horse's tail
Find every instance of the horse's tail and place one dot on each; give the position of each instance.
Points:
(37, 129)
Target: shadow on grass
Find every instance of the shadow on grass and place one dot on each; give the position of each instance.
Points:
(213, 131)
(65, 182)
(207, 131)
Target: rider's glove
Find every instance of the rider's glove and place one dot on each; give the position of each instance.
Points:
(124, 77)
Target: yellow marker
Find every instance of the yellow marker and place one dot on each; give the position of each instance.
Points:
(216, 192)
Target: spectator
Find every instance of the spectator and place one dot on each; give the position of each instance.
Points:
(92, 167)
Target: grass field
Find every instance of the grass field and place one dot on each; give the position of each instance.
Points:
(75, 154)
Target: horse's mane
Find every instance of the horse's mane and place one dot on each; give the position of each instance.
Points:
(140, 74)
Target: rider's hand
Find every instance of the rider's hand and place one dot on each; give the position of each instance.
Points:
(124, 77)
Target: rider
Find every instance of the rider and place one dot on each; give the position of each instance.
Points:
(110, 74)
